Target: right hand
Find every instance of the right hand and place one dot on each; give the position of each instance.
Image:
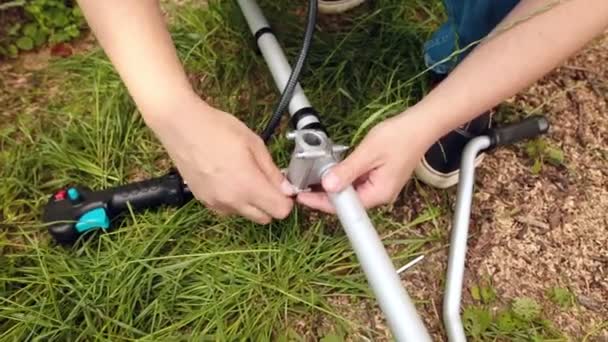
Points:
(226, 165)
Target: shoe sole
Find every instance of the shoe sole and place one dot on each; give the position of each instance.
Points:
(334, 7)
(426, 174)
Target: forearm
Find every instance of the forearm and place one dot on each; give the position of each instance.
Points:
(134, 35)
(512, 59)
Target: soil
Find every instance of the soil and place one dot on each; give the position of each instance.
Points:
(531, 232)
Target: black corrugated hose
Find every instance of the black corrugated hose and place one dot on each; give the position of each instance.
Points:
(294, 77)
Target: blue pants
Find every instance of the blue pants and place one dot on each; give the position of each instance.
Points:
(468, 21)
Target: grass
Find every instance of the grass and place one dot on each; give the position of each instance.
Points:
(181, 274)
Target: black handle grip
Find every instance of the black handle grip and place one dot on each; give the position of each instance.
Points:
(66, 208)
(528, 128)
(166, 190)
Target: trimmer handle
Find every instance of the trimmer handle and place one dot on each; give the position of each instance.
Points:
(76, 210)
(528, 128)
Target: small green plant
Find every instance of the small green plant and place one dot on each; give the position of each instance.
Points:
(483, 293)
(522, 320)
(561, 296)
(526, 309)
(333, 337)
(541, 151)
(44, 21)
(477, 320)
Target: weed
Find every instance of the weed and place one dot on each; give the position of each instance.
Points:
(561, 296)
(46, 21)
(522, 320)
(541, 151)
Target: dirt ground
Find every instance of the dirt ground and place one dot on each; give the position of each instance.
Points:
(530, 232)
(552, 230)
(533, 232)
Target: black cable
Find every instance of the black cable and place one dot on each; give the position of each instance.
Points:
(294, 77)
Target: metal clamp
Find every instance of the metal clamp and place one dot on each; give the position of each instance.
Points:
(313, 154)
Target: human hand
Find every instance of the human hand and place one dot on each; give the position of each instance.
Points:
(380, 166)
(224, 163)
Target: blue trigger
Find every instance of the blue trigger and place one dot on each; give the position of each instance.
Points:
(96, 218)
(73, 194)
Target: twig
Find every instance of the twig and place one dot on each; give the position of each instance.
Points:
(11, 4)
(410, 264)
(590, 78)
(532, 222)
(580, 131)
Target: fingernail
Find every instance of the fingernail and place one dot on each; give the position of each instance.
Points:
(331, 181)
(287, 189)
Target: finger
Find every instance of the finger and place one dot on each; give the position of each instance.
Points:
(264, 196)
(254, 214)
(219, 209)
(373, 195)
(270, 170)
(316, 200)
(358, 163)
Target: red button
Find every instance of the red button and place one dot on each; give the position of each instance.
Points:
(60, 195)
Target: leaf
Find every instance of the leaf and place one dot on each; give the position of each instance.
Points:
(40, 38)
(60, 19)
(72, 31)
(77, 12)
(476, 293)
(506, 323)
(533, 148)
(59, 37)
(537, 167)
(289, 336)
(488, 294)
(33, 9)
(378, 115)
(25, 43)
(476, 320)
(12, 50)
(555, 156)
(561, 296)
(30, 30)
(332, 337)
(14, 30)
(526, 309)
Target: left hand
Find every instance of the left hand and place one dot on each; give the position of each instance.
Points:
(380, 166)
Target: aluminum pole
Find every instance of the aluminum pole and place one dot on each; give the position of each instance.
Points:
(273, 55)
(458, 241)
(400, 312)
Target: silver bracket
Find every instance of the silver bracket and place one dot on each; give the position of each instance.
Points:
(313, 154)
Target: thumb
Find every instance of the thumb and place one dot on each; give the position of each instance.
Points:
(347, 171)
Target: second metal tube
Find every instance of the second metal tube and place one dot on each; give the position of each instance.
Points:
(458, 241)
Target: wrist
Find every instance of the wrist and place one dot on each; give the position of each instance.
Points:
(176, 105)
(426, 125)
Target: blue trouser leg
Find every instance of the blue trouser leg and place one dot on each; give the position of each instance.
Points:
(468, 21)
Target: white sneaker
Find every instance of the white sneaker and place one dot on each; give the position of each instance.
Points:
(338, 6)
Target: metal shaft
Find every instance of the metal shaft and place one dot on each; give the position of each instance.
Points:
(273, 55)
(458, 241)
(399, 310)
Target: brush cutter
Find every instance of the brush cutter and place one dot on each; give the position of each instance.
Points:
(74, 211)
